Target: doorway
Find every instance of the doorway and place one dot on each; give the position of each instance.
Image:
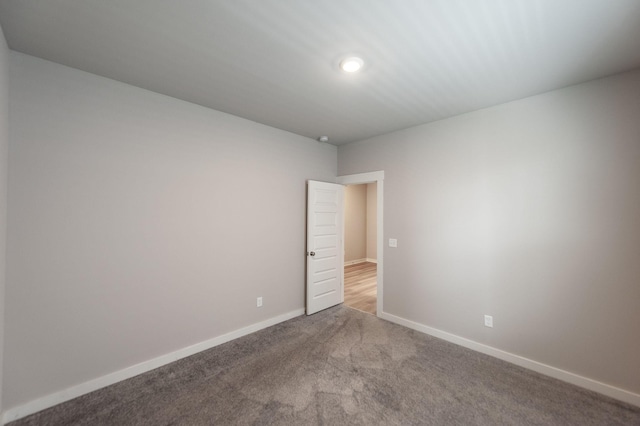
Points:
(360, 251)
(365, 268)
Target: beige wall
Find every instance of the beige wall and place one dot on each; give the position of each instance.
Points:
(527, 211)
(372, 218)
(132, 219)
(4, 146)
(355, 220)
(360, 222)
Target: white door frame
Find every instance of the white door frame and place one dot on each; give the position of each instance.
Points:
(378, 178)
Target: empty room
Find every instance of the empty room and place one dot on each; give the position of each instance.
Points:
(175, 220)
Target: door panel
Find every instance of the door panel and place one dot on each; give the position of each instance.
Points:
(325, 258)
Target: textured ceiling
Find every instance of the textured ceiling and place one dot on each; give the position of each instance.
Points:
(276, 61)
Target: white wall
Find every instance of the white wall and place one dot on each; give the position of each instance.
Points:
(140, 224)
(4, 145)
(372, 221)
(527, 211)
(355, 223)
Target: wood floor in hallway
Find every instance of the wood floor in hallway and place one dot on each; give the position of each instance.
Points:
(360, 286)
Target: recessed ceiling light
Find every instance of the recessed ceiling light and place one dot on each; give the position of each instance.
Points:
(352, 64)
(323, 139)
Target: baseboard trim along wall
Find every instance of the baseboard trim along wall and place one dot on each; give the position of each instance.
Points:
(355, 262)
(547, 370)
(143, 367)
(129, 372)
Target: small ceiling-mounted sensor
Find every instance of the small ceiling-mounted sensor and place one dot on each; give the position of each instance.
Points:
(323, 139)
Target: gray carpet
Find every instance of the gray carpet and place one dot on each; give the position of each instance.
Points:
(339, 367)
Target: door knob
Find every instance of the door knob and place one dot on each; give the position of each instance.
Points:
(312, 253)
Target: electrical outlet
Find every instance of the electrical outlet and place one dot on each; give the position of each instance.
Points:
(259, 302)
(393, 242)
(488, 321)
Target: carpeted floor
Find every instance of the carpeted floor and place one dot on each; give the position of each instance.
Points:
(339, 367)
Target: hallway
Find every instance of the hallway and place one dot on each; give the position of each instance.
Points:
(360, 286)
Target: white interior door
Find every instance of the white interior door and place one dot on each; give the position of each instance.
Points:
(325, 246)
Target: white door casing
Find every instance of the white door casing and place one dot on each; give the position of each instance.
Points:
(325, 245)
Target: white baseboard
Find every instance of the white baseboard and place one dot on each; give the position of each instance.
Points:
(355, 262)
(547, 370)
(56, 398)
